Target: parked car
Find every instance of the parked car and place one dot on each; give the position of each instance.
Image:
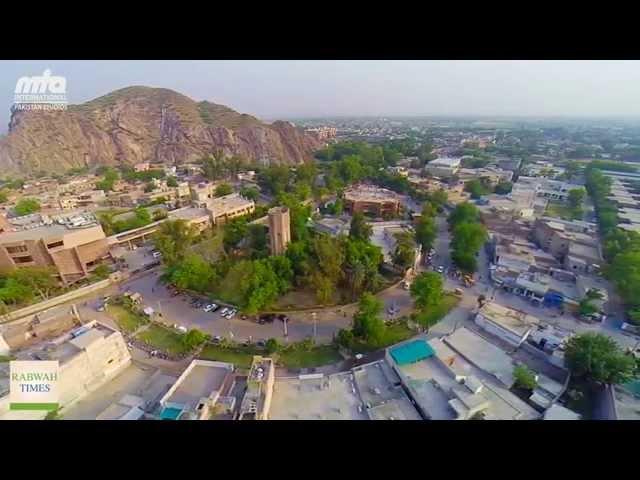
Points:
(209, 308)
(182, 329)
(217, 339)
(156, 254)
(440, 269)
(224, 311)
(232, 314)
(101, 307)
(261, 343)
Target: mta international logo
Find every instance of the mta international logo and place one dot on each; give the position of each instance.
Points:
(33, 385)
(41, 92)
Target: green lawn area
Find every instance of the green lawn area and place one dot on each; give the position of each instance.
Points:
(4, 358)
(163, 339)
(316, 357)
(126, 320)
(395, 333)
(434, 315)
(559, 210)
(238, 355)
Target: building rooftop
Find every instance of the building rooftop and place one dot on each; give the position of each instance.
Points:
(445, 162)
(513, 320)
(333, 397)
(482, 354)
(558, 412)
(50, 227)
(233, 201)
(67, 346)
(370, 193)
(200, 381)
(446, 386)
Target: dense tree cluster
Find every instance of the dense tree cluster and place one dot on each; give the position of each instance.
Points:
(621, 247)
(468, 236)
(23, 285)
(598, 358)
(217, 165)
(26, 206)
(109, 177)
(426, 227)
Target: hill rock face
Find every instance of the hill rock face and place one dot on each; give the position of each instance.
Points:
(140, 124)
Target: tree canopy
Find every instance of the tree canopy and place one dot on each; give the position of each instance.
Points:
(27, 206)
(598, 358)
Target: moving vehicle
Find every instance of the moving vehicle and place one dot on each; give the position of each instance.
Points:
(440, 269)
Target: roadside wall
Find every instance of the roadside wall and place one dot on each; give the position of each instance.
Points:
(52, 302)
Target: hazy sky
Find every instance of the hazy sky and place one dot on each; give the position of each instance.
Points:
(280, 89)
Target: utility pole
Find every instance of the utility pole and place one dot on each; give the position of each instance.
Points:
(315, 326)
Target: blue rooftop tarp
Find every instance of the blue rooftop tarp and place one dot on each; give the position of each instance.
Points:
(411, 352)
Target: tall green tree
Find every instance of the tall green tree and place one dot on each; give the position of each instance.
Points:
(360, 228)
(173, 239)
(427, 290)
(598, 358)
(367, 322)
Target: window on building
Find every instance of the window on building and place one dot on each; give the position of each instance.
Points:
(17, 249)
(55, 244)
(26, 259)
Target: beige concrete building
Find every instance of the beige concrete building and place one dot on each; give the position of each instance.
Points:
(508, 324)
(228, 207)
(279, 230)
(443, 167)
(74, 246)
(89, 357)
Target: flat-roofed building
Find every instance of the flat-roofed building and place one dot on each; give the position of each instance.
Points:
(508, 324)
(443, 167)
(74, 245)
(228, 207)
(372, 200)
(88, 357)
(197, 391)
(444, 385)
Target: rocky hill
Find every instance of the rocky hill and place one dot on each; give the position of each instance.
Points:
(138, 124)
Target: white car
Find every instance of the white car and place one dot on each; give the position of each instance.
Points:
(231, 314)
(210, 307)
(440, 269)
(224, 311)
(182, 329)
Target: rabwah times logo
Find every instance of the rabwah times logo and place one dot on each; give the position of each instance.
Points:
(41, 92)
(33, 385)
